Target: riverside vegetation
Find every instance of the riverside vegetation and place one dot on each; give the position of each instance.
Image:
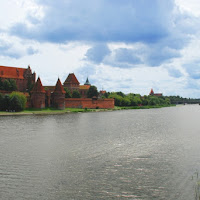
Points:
(16, 101)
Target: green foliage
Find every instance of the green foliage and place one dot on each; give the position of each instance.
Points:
(136, 100)
(1, 101)
(76, 94)
(92, 92)
(15, 101)
(181, 100)
(153, 100)
(105, 95)
(68, 93)
(1, 84)
(5, 102)
(120, 94)
(167, 101)
(8, 85)
(13, 86)
(118, 98)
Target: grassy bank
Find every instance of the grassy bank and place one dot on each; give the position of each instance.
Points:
(143, 107)
(51, 111)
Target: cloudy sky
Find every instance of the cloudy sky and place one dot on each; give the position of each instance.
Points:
(121, 45)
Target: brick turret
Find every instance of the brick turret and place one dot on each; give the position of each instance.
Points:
(71, 82)
(58, 96)
(38, 95)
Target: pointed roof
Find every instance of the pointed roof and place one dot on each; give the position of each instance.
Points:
(38, 87)
(59, 88)
(151, 92)
(71, 79)
(87, 82)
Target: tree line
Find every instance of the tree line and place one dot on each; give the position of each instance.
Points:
(132, 99)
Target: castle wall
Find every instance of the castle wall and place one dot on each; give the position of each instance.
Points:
(58, 101)
(89, 103)
(38, 100)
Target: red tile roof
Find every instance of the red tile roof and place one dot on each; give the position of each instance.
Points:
(102, 91)
(71, 79)
(59, 88)
(84, 87)
(12, 72)
(38, 87)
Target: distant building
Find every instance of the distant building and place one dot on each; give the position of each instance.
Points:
(22, 76)
(101, 93)
(72, 83)
(155, 94)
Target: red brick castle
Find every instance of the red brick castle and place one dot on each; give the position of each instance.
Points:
(52, 96)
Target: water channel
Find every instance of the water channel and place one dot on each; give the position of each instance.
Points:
(129, 154)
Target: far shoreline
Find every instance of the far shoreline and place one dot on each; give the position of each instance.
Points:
(51, 111)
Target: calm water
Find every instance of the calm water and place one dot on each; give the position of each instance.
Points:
(132, 154)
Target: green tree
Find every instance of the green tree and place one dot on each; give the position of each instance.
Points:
(6, 102)
(125, 101)
(15, 103)
(68, 93)
(18, 96)
(6, 85)
(13, 85)
(120, 94)
(1, 101)
(118, 98)
(1, 84)
(76, 94)
(92, 92)
(145, 101)
(167, 101)
(153, 100)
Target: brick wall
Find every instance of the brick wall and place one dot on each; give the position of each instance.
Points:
(89, 103)
(38, 100)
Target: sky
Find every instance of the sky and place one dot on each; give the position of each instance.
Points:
(121, 45)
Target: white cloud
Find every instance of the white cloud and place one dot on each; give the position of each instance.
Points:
(165, 37)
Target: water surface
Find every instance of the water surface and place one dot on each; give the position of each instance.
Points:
(129, 154)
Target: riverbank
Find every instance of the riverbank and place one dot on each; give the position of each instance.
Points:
(52, 111)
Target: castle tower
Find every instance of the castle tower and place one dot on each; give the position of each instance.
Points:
(71, 82)
(58, 96)
(87, 82)
(38, 95)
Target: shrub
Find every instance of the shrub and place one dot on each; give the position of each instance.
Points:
(68, 93)
(17, 101)
(76, 94)
(6, 102)
(1, 101)
(92, 92)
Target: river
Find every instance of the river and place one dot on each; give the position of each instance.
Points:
(129, 154)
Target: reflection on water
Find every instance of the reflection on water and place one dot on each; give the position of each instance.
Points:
(132, 154)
